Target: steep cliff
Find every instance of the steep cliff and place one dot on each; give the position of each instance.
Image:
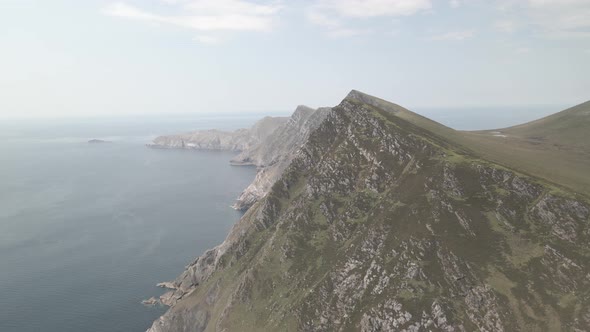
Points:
(272, 147)
(238, 140)
(269, 145)
(381, 222)
(275, 152)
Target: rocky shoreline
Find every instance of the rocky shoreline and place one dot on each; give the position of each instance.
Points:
(268, 145)
(271, 154)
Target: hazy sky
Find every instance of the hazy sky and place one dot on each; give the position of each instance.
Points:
(95, 57)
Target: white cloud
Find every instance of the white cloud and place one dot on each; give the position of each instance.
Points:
(551, 18)
(337, 16)
(455, 3)
(373, 8)
(454, 35)
(206, 15)
(561, 18)
(233, 6)
(124, 10)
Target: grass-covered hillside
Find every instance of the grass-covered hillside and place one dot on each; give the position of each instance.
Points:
(556, 148)
(383, 222)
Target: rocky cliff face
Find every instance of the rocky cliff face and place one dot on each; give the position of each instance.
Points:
(269, 145)
(272, 147)
(238, 140)
(275, 152)
(378, 224)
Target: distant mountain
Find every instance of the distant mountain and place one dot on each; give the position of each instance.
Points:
(272, 147)
(273, 154)
(384, 220)
(213, 139)
(269, 144)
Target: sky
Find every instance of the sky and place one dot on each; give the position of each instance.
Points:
(64, 58)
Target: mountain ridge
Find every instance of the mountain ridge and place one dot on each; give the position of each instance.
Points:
(379, 224)
(274, 153)
(560, 156)
(213, 139)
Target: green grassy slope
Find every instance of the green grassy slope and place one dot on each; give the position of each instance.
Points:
(556, 148)
(383, 223)
(570, 127)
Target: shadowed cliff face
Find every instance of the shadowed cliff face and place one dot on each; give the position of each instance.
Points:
(379, 224)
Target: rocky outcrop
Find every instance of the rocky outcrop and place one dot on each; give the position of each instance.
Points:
(238, 140)
(273, 147)
(270, 145)
(275, 152)
(378, 224)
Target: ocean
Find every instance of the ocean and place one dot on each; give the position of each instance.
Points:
(87, 230)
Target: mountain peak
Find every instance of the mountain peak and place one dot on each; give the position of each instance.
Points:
(301, 113)
(304, 108)
(379, 222)
(374, 101)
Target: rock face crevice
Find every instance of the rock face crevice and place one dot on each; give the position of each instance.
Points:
(375, 223)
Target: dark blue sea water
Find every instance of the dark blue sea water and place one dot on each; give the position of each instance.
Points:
(87, 230)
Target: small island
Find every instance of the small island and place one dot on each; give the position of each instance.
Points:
(96, 141)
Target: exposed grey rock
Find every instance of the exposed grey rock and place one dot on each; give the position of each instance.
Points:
(194, 320)
(275, 153)
(238, 140)
(168, 285)
(270, 145)
(150, 302)
(373, 227)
